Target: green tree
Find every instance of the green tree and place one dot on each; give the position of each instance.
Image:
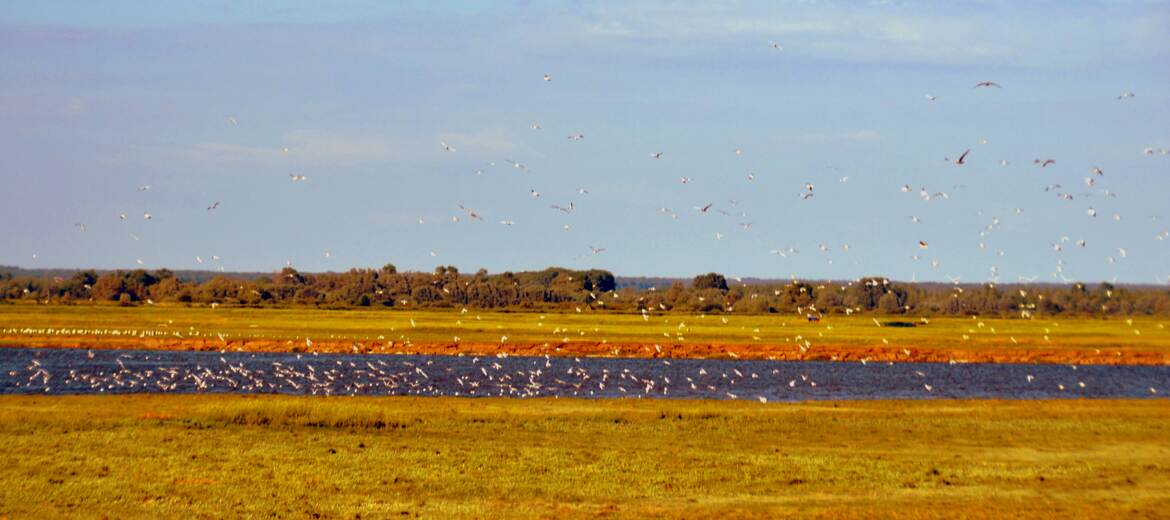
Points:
(709, 281)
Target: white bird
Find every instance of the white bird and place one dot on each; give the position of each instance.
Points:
(931, 98)
(297, 177)
(1125, 95)
(147, 216)
(446, 146)
(656, 155)
(775, 45)
(533, 192)
(548, 78)
(597, 250)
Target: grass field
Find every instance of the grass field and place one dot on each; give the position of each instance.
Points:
(277, 327)
(153, 456)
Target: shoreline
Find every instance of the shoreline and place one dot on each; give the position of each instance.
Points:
(769, 352)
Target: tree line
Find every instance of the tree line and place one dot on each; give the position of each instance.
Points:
(583, 290)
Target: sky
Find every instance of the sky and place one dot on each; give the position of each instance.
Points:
(223, 101)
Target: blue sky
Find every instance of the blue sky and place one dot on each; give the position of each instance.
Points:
(199, 102)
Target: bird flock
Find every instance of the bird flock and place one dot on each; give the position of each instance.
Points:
(741, 220)
(96, 372)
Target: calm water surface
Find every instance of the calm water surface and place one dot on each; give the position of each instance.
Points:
(78, 371)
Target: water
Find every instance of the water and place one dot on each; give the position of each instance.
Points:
(77, 371)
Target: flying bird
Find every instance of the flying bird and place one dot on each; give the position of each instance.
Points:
(446, 146)
(297, 177)
(962, 158)
(214, 205)
(471, 213)
(775, 45)
(1043, 162)
(703, 209)
(987, 84)
(656, 155)
(547, 77)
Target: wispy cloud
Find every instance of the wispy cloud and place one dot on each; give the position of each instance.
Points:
(962, 32)
(316, 148)
(484, 142)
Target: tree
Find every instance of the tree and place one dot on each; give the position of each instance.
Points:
(709, 281)
(598, 280)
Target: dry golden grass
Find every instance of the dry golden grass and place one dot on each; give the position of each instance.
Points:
(236, 456)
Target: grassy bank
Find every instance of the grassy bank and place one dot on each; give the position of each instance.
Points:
(678, 334)
(217, 456)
